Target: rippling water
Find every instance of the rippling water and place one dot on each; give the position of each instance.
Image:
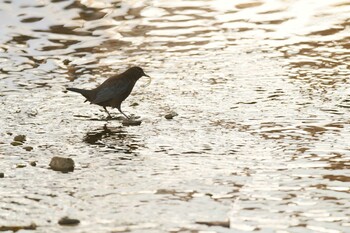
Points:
(260, 143)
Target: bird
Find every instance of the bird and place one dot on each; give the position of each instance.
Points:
(114, 90)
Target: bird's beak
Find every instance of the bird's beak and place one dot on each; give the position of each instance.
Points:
(149, 80)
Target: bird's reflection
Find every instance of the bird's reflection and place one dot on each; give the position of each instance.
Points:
(116, 139)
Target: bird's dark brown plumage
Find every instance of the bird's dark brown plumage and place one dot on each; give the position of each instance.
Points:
(113, 91)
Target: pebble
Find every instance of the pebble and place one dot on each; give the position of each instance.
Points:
(65, 221)
(28, 148)
(19, 138)
(16, 143)
(32, 163)
(171, 115)
(62, 164)
(128, 122)
(18, 228)
(225, 224)
(2, 175)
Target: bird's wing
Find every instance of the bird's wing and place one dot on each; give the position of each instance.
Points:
(110, 92)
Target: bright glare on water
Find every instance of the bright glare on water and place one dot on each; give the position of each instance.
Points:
(259, 141)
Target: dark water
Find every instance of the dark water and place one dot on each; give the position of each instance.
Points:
(260, 143)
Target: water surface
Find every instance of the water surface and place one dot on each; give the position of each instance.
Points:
(260, 143)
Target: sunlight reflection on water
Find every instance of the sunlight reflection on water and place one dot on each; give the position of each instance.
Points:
(260, 142)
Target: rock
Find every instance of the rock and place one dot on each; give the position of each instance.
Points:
(21, 165)
(18, 228)
(2, 175)
(171, 115)
(19, 138)
(65, 221)
(62, 164)
(32, 163)
(16, 143)
(215, 223)
(130, 122)
(28, 148)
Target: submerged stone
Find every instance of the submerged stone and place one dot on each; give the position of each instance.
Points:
(18, 228)
(28, 148)
(62, 164)
(130, 122)
(19, 138)
(225, 224)
(171, 115)
(16, 143)
(65, 221)
(32, 163)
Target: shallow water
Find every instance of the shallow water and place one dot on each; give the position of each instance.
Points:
(260, 142)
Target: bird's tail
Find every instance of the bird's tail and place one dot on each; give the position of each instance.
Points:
(85, 93)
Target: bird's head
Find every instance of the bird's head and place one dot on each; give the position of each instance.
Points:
(137, 72)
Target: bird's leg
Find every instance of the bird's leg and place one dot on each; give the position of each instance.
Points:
(109, 115)
(120, 110)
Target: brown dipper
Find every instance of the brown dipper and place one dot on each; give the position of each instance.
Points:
(113, 91)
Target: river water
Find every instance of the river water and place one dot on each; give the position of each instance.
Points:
(260, 142)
